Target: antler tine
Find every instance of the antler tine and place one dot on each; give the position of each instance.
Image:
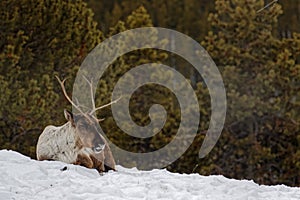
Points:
(94, 109)
(98, 120)
(91, 91)
(62, 84)
(99, 108)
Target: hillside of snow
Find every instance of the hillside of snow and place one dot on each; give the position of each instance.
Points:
(24, 178)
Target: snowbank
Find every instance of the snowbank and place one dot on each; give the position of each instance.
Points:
(24, 178)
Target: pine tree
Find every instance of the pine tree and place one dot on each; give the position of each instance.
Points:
(38, 40)
(261, 76)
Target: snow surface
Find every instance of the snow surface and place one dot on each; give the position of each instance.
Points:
(24, 178)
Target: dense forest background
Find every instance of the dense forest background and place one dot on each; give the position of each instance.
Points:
(258, 55)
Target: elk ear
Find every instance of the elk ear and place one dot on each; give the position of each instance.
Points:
(69, 116)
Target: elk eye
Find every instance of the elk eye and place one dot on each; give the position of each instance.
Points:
(99, 148)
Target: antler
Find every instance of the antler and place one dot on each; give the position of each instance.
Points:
(62, 84)
(94, 109)
(91, 91)
(99, 108)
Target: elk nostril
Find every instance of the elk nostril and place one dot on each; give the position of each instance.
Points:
(99, 148)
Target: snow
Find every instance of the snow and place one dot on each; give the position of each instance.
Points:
(25, 178)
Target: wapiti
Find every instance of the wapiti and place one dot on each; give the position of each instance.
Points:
(78, 141)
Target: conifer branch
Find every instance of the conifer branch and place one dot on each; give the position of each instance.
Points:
(266, 6)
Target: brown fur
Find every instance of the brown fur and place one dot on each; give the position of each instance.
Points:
(89, 138)
(85, 161)
(81, 139)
